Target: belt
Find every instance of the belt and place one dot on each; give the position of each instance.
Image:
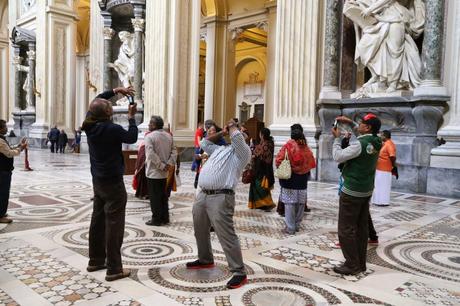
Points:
(218, 191)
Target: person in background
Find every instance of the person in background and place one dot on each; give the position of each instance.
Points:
(280, 208)
(140, 182)
(262, 167)
(7, 154)
(199, 134)
(53, 137)
(77, 141)
(294, 190)
(105, 140)
(385, 165)
(62, 141)
(360, 159)
(160, 156)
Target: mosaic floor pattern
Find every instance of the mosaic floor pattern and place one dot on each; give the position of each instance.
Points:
(44, 252)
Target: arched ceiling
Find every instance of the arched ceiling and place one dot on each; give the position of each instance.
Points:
(228, 7)
(83, 26)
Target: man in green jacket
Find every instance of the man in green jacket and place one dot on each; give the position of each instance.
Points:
(358, 173)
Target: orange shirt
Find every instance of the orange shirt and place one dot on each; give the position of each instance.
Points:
(388, 150)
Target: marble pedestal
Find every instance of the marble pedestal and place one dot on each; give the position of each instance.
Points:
(23, 121)
(413, 121)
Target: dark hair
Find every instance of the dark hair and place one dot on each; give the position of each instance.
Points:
(2, 123)
(159, 123)
(374, 123)
(266, 134)
(208, 123)
(297, 134)
(297, 126)
(387, 134)
(218, 129)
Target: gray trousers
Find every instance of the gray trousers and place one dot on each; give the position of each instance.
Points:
(217, 211)
(293, 214)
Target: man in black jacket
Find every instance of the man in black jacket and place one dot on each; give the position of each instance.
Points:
(53, 137)
(108, 220)
(7, 153)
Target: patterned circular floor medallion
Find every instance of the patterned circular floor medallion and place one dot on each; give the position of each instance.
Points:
(60, 187)
(274, 296)
(432, 258)
(43, 212)
(217, 274)
(148, 251)
(78, 238)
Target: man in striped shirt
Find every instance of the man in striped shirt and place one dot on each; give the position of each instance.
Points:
(215, 203)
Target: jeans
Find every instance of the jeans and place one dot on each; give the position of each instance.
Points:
(5, 186)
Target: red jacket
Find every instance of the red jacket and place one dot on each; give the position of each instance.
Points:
(300, 156)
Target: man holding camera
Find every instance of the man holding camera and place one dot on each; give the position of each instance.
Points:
(7, 155)
(107, 167)
(360, 161)
(215, 203)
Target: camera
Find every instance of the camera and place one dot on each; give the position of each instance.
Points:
(131, 100)
(335, 124)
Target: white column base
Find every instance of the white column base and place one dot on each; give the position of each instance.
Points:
(431, 88)
(330, 93)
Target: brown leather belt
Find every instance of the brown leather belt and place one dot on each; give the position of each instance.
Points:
(218, 191)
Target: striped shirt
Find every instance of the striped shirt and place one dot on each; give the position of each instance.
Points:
(225, 164)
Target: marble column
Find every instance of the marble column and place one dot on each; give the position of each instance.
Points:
(448, 155)
(432, 50)
(4, 79)
(31, 74)
(17, 60)
(219, 103)
(108, 35)
(297, 65)
(271, 57)
(330, 88)
(139, 25)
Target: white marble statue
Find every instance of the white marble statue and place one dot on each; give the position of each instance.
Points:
(124, 65)
(26, 84)
(385, 32)
(27, 4)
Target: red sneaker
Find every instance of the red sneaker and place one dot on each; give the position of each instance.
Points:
(373, 242)
(237, 281)
(198, 265)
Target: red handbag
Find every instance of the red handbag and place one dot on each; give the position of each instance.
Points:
(248, 176)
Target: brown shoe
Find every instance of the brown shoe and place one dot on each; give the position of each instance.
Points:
(95, 268)
(114, 277)
(5, 220)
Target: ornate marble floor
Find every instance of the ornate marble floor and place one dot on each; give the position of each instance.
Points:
(43, 254)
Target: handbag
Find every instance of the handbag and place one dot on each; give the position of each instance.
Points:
(248, 176)
(284, 170)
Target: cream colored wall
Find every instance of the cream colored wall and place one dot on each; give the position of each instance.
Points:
(243, 6)
(243, 77)
(96, 50)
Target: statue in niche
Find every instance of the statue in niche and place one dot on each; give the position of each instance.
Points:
(26, 84)
(385, 32)
(253, 77)
(27, 4)
(124, 65)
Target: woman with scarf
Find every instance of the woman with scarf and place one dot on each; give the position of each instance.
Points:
(294, 190)
(262, 167)
(139, 178)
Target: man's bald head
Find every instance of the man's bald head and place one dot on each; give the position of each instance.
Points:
(101, 108)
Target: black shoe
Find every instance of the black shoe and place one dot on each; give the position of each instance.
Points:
(346, 270)
(307, 209)
(211, 229)
(237, 281)
(153, 223)
(95, 268)
(198, 265)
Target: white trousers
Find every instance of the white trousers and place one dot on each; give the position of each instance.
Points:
(382, 188)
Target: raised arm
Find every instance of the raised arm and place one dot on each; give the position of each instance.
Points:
(342, 155)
